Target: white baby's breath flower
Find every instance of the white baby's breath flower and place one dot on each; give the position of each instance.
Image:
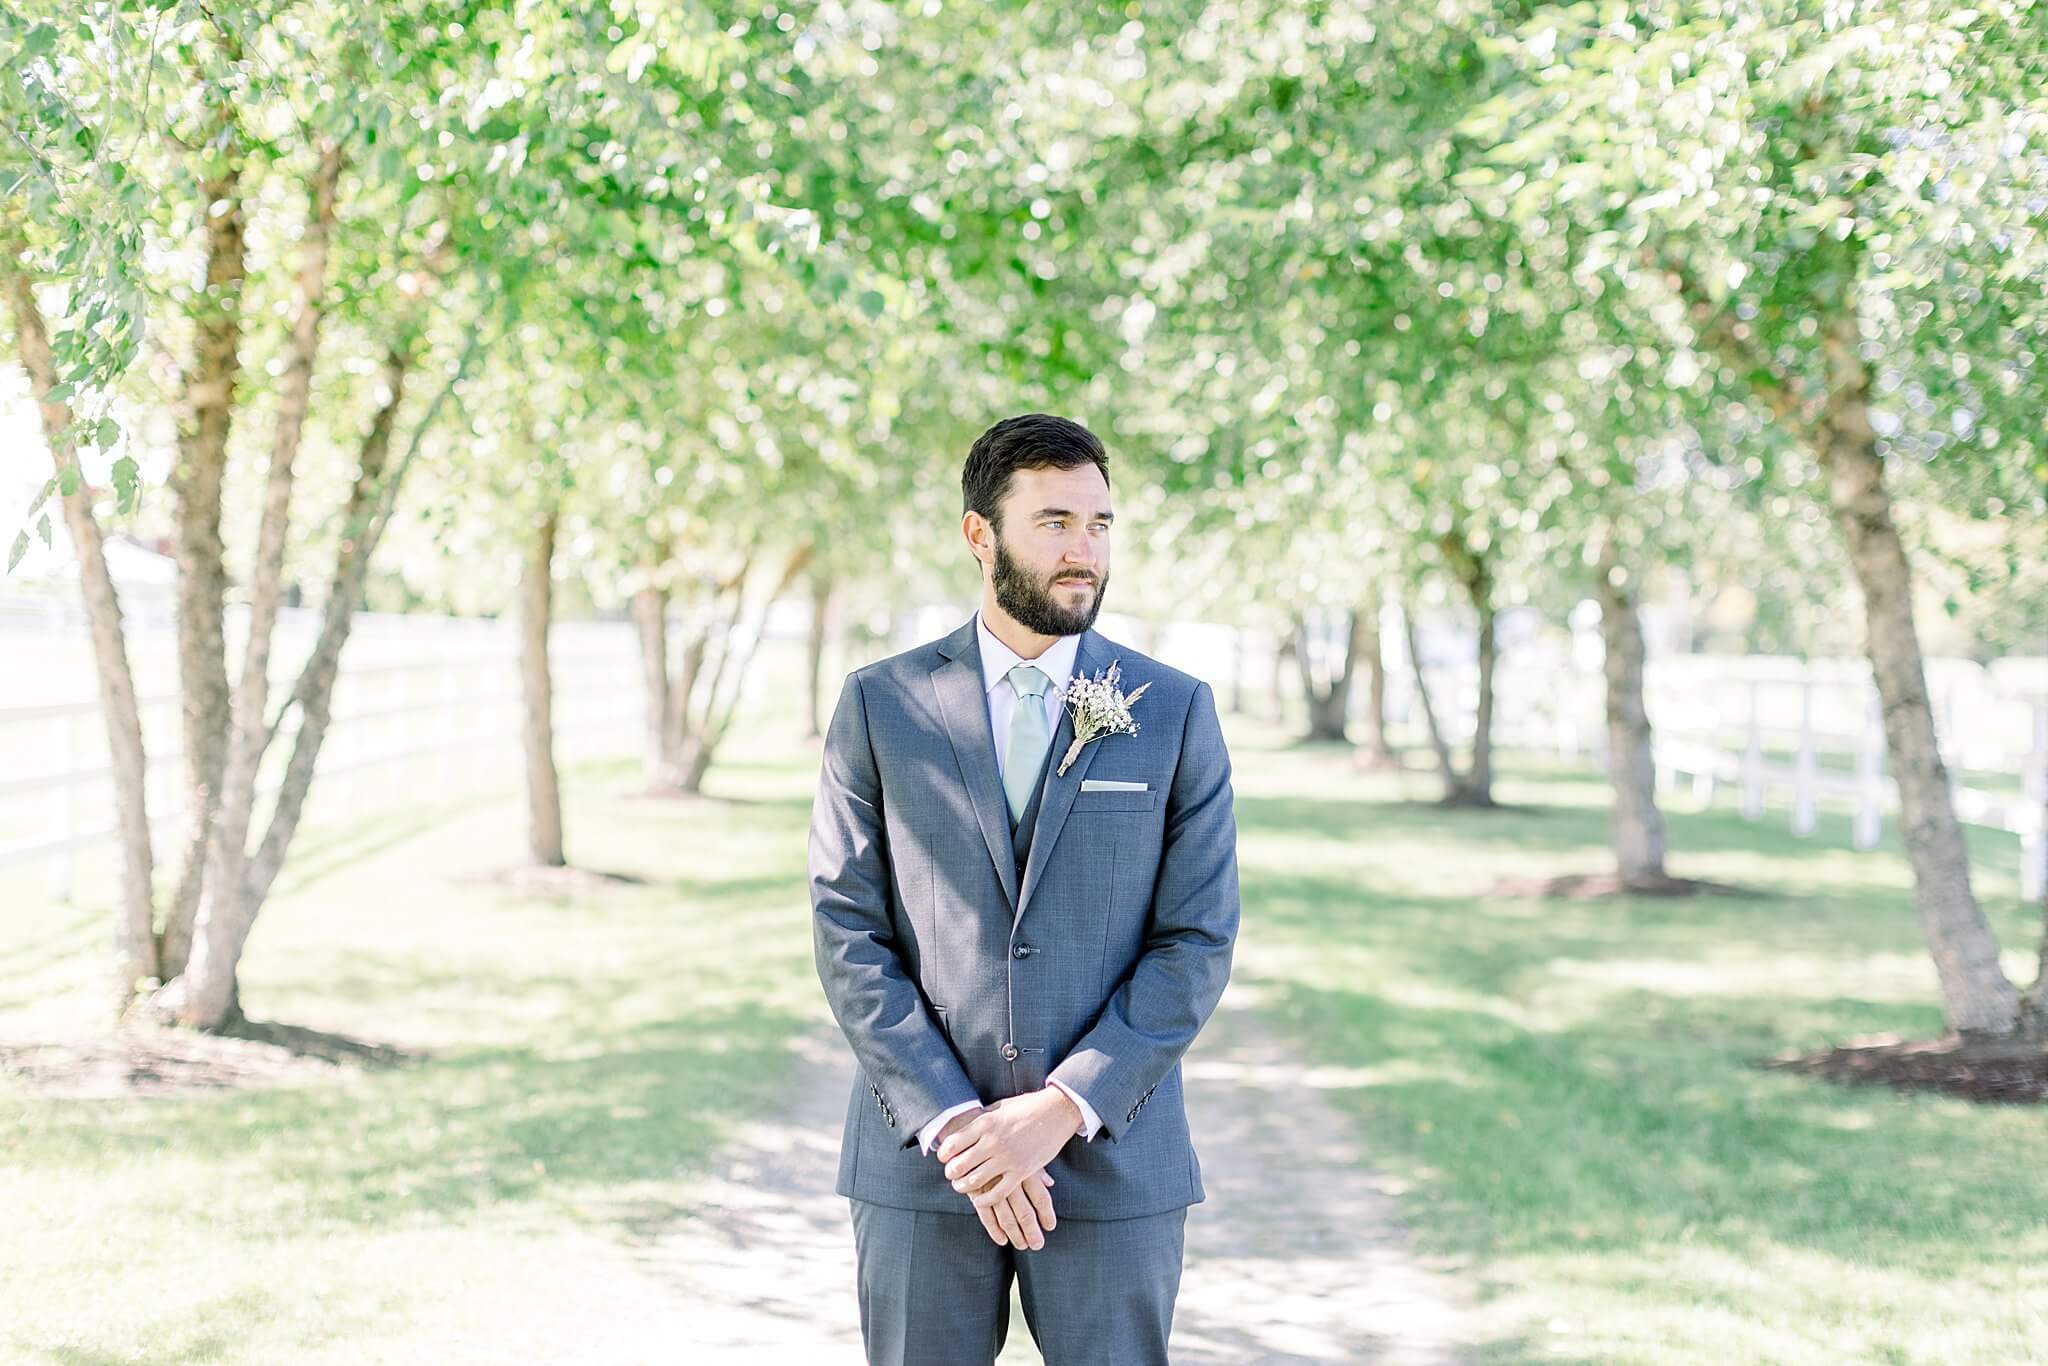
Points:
(1099, 709)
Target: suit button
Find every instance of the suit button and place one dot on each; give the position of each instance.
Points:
(1023, 951)
(1010, 1051)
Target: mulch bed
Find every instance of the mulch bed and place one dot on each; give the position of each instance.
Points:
(533, 879)
(144, 1060)
(1591, 886)
(1995, 1073)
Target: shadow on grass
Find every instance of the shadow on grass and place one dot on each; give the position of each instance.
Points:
(1644, 1123)
(323, 1044)
(466, 1129)
(323, 851)
(221, 1327)
(1553, 826)
(1571, 1086)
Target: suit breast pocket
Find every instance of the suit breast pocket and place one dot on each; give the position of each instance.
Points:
(1114, 799)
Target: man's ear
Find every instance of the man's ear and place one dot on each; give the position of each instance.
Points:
(979, 535)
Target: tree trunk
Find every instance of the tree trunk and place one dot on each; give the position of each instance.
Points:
(1977, 997)
(1479, 781)
(1636, 823)
(1237, 671)
(1276, 705)
(227, 854)
(1476, 575)
(205, 996)
(196, 479)
(814, 653)
(1376, 751)
(2034, 1006)
(676, 730)
(682, 720)
(721, 703)
(536, 610)
(1329, 702)
(135, 948)
(650, 617)
(1445, 768)
(692, 764)
(1978, 1000)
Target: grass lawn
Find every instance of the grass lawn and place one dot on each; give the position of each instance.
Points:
(1563, 1090)
(1560, 1088)
(590, 1053)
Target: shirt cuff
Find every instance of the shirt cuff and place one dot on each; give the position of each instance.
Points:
(929, 1134)
(1090, 1121)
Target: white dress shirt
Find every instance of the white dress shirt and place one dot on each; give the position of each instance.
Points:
(1057, 664)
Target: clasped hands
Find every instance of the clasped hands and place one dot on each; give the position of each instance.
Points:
(996, 1157)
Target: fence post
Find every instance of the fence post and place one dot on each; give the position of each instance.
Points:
(64, 822)
(1704, 777)
(2034, 819)
(1803, 767)
(1870, 773)
(1753, 758)
(1703, 781)
(445, 730)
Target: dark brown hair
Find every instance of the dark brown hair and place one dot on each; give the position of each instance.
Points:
(1028, 441)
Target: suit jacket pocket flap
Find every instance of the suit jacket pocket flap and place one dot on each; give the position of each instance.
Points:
(1140, 798)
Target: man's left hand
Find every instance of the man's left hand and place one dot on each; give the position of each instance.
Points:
(989, 1156)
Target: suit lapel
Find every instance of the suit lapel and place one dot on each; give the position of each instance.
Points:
(963, 704)
(1058, 797)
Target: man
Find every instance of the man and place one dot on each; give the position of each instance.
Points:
(1020, 945)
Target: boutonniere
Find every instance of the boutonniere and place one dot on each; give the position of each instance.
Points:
(1099, 709)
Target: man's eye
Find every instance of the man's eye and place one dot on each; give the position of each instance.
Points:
(1055, 522)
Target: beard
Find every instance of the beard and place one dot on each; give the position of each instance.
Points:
(1032, 603)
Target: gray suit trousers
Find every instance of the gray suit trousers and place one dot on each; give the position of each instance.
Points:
(935, 1288)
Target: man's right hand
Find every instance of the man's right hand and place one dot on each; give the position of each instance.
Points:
(1026, 1217)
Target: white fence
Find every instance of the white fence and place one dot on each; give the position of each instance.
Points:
(432, 704)
(422, 705)
(1805, 731)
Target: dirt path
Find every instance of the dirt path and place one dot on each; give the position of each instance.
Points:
(1297, 1255)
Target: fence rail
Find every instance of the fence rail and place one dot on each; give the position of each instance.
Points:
(419, 701)
(417, 692)
(1717, 722)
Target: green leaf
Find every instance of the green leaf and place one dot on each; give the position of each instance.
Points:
(871, 303)
(20, 549)
(127, 482)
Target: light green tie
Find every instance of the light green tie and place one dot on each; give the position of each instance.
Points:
(1026, 748)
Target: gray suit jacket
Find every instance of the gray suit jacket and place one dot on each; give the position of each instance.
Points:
(956, 975)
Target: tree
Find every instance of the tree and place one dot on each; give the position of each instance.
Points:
(1805, 202)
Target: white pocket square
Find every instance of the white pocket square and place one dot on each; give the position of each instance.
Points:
(1111, 785)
